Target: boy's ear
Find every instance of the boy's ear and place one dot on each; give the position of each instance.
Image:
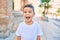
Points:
(34, 14)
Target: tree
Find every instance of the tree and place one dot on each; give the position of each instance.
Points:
(41, 5)
(12, 4)
(46, 5)
(58, 10)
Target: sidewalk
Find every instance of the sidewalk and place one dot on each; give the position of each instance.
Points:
(50, 30)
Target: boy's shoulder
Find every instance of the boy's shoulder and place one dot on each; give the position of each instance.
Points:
(21, 23)
(36, 23)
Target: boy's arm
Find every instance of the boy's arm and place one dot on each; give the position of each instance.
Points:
(38, 37)
(18, 37)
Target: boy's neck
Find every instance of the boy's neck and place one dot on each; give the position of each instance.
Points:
(29, 23)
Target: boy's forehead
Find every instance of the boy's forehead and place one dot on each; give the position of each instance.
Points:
(28, 8)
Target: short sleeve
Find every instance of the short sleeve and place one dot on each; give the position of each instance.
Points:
(19, 30)
(39, 32)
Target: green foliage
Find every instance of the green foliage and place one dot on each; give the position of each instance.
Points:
(48, 6)
(41, 5)
(12, 4)
(45, 4)
(58, 10)
(47, 1)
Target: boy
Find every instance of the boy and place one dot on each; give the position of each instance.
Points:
(28, 30)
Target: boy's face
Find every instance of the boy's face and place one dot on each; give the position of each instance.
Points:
(28, 14)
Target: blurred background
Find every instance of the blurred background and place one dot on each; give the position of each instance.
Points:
(47, 14)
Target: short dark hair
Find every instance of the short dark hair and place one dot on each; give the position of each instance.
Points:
(29, 5)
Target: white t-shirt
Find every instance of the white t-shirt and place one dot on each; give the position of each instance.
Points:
(29, 32)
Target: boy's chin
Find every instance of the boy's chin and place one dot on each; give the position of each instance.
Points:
(27, 20)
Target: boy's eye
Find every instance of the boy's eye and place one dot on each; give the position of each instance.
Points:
(25, 12)
(29, 11)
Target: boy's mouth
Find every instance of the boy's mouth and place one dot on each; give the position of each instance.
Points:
(27, 17)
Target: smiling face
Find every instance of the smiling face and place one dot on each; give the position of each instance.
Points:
(28, 14)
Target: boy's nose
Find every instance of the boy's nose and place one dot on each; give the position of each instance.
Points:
(27, 13)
